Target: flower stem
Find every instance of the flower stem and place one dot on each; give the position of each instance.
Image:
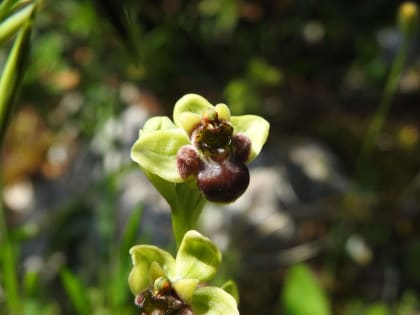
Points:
(382, 111)
(184, 217)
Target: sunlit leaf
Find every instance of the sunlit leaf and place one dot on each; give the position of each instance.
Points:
(302, 294)
(12, 75)
(12, 24)
(76, 292)
(377, 309)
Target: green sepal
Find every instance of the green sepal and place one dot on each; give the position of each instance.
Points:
(156, 123)
(143, 256)
(213, 301)
(198, 257)
(185, 288)
(255, 128)
(231, 287)
(156, 152)
(192, 103)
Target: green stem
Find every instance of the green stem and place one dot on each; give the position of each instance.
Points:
(185, 200)
(8, 265)
(382, 111)
(180, 225)
(186, 209)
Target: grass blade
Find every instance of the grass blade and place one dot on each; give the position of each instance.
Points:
(130, 232)
(76, 292)
(10, 279)
(12, 75)
(10, 26)
(122, 264)
(5, 8)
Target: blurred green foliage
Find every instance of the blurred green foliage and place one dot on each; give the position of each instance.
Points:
(302, 294)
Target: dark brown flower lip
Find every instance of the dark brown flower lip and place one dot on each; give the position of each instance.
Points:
(223, 182)
(216, 159)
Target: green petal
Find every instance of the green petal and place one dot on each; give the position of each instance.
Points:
(197, 257)
(156, 152)
(255, 128)
(213, 301)
(188, 121)
(157, 123)
(193, 103)
(143, 256)
(232, 288)
(185, 289)
(222, 111)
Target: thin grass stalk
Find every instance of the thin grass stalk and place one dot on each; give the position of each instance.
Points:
(382, 111)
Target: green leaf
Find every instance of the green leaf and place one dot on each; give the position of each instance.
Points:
(231, 288)
(14, 22)
(255, 128)
(213, 301)
(130, 231)
(5, 8)
(378, 309)
(143, 256)
(77, 293)
(31, 282)
(12, 75)
(197, 257)
(156, 152)
(192, 103)
(8, 263)
(302, 294)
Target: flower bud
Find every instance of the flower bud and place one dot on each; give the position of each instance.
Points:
(408, 17)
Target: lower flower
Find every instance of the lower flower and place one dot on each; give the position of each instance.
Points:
(164, 285)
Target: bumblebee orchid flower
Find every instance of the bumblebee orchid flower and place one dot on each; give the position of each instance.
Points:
(203, 143)
(164, 285)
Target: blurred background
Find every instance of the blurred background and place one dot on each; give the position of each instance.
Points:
(323, 228)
